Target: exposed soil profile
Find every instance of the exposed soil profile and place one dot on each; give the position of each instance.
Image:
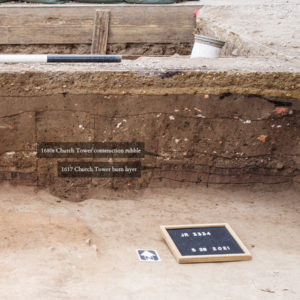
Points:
(221, 138)
(124, 49)
(194, 139)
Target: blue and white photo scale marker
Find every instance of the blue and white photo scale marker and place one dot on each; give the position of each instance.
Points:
(59, 58)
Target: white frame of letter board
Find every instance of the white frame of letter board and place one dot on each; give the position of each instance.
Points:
(204, 258)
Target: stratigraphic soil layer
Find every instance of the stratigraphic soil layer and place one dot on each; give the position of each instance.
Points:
(226, 138)
(123, 49)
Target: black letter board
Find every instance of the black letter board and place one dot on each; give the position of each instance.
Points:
(204, 243)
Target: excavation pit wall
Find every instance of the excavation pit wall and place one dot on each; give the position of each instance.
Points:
(199, 129)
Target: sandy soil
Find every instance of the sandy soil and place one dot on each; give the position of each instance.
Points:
(63, 250)
(251, 28)
(154, 65)
(155, 76)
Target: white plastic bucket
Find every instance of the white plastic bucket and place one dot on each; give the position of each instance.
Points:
(206, 47)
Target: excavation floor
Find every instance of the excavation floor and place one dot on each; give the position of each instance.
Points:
(63, 250)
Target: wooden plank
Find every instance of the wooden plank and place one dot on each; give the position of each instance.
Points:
(150, 34)
(118, 34)
(100, 33)
(71, 25)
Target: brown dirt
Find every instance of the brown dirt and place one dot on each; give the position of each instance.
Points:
(198, 139)
(155, 76)
(224, 128)
(121, 49)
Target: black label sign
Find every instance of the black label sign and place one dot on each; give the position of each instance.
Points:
(99, 169)
(91, 150)
(204, 241)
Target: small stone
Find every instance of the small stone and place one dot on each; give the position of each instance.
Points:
(94, 182)
(94, 247)
(88, 241)
(281, 110)
(262, 138)
(200, 116)
(198, 110)
(279, 165)
(235, 52)
(267, 290)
